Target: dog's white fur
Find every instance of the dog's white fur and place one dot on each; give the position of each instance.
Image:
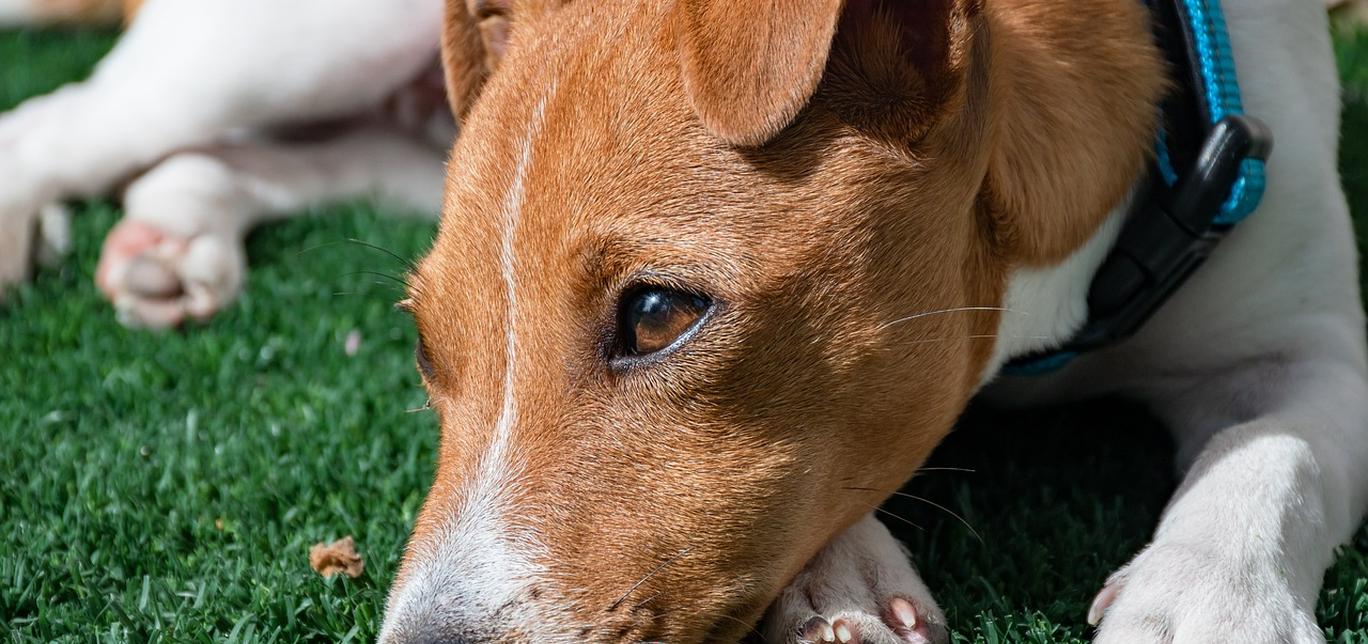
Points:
(1264, 387)
(16, 12)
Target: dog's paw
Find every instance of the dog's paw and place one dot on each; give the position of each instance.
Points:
(30, 237)
(860, 589)
(1183, 595)
(159, 280)
(17, 234)
(898, 621)
(19, 222)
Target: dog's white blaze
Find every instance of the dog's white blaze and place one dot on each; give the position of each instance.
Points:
(476, 564)
(495, 465)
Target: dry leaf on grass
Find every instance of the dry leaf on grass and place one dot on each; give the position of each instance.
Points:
(328, 559)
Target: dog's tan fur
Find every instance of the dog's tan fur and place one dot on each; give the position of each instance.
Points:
(86, 11)
(816, 197)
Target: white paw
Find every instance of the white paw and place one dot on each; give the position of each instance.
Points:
(32, 236)
(1194, 595)
(20, 204)
(860, 589)
(159, 280)
(178, 254)
(17, 232)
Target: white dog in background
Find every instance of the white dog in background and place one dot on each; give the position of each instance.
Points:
(222, 113)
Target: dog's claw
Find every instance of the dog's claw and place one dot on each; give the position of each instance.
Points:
(903, 612)
(1104, 599)
(817, 629)
(843, 632)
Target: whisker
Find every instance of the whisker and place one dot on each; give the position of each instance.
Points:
(387, 276)
(644, 601)
(957, 309)
(978, 336)
(945, 510)
(749, 627)
(899, 517)
(649, 575)
(350, 240)
(947, 469)
(321, 246)
(408, 263)
(928, 502)
(389, 285)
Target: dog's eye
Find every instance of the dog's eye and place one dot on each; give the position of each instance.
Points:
(653, 318)
(420, 356)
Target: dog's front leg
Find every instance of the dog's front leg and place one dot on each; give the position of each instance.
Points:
(1278, 481)
(861, 588)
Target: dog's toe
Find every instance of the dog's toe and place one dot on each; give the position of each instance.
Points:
(816, 629)
(898, 622)
(149, 278)
(157, 280)
(861, 589)
(914, 624)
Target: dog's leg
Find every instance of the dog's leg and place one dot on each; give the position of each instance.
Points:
(1277, 482)
(19, 13)
(179, 251)
(190, 73)
(861, 588)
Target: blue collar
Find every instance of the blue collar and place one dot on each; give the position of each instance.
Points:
(1207, 175)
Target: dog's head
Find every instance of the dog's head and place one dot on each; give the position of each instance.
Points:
(713, 279)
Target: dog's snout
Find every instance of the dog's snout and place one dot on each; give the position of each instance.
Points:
(436, 628)
(437, 637)
(441, 638)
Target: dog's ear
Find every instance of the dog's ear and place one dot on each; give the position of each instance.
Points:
(750, 67)
(474, 37)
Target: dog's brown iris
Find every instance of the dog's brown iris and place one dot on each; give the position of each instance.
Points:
(654, 318)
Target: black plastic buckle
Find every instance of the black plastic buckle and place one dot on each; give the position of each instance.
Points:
(1165, 240)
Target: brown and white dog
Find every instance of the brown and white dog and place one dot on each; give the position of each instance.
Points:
(704, 264)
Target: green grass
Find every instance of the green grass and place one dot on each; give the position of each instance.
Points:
(167, 487)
